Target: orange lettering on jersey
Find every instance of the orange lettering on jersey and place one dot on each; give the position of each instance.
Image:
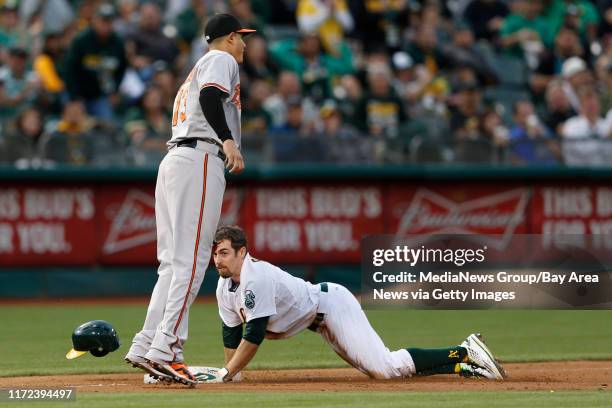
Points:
(181, 99)
(236, 98)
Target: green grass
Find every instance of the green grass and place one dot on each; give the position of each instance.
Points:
(541, 399)
(34, 339)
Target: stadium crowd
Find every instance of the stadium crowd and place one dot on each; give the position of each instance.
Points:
(520, 82)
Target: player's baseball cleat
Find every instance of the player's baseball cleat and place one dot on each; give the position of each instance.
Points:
(148, 368)
(178, 371)
(480, 355)
(468, 370)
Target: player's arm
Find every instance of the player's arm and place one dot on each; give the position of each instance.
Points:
(253, 337)
(212, 106)
(231, 340)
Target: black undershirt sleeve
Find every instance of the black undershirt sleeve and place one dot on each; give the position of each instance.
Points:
(212, 107)
(256, 330)
(232, 336)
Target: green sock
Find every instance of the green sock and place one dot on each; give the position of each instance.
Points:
(444, 369)
(426, 359)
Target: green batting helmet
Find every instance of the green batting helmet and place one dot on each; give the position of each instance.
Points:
(98, 337)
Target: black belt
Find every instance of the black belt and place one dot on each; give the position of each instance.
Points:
(316, 323)
(193, 142)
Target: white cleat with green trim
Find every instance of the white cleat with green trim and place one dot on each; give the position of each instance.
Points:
(480, 355)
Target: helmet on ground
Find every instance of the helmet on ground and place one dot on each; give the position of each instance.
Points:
(97, 336)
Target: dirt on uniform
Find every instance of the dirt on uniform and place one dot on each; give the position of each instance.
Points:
(547, 376)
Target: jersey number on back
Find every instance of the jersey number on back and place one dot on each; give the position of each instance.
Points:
(180, 103)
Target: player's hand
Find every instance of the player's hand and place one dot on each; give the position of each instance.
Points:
(211, 375)
(234, 161)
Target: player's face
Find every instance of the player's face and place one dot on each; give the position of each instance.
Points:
(227, 260)
(237, 47)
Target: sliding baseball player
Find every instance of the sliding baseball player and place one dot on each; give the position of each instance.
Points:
(258, 300)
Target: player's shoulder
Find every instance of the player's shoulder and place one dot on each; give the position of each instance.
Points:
(216, 56)
(223, 287)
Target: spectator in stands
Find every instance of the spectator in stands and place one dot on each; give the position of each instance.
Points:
(190, 23)
(343, 143)
(576, 74)
(605, 11)
(525, 30)
(558, 108)
(381, 111)
(530, 141)
(257, 64)
(21, 143)
(493, 130)
(581, 15)
(315, 68)
(276, 104)
(331, 19)
(486, 18)
(294, 140)
(604, 82)
(86, 11)
(463, 52)
(127, 17)
(153, 114)
(567, 45)
(166, 81)
(19, 85)
(583, 134)
(96, 63)
(424, 49)
(410, 80)
(148, 43)
(466, 110)
(348, 94)
(148, 129)
(10, 31)
(243, 10)
(589, 123)
(72, 140)
(255, 119)
(383, 20)
(48, 65)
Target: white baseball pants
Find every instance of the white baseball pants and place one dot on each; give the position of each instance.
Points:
(347, 329)
(188, 199)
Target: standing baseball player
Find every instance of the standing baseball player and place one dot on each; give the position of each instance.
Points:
(189, 195)
(273, 304)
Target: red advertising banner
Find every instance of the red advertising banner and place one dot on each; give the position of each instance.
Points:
(47, 225)
(312, 224)
(571, 211)
(127, 215)
(495, 214)
(114, 224)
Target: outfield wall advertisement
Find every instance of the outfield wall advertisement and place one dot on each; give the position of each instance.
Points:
(60, 224)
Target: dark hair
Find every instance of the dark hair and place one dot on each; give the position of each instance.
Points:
(234, 234)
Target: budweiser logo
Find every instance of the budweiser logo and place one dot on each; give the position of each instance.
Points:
(494, 217)
(134, 223)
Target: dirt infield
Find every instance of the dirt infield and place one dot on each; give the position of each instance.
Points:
(574, 375)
